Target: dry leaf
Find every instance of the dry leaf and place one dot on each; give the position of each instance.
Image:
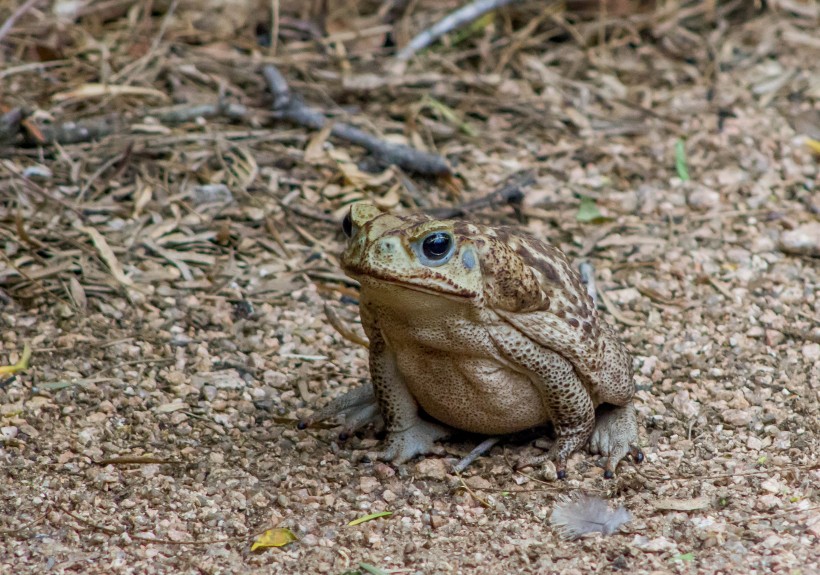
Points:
(141, 198)
(315, 150)
(77, 293)
(21, 365)
(107, 255)
(370, 517)
(278, 537)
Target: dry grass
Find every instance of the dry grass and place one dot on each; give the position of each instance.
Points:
(171, 275)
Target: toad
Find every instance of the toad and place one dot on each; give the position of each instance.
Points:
(481, 329)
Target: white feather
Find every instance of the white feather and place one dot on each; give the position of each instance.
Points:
(586, 514)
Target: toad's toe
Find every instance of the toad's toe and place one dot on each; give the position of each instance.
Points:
(358, 406)
(615, 436)
(420, 439)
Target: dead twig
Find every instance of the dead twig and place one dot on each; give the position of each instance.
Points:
(288, 107)
(479, 450)
(452, 21)
(345, 331)
(12, 20)
(76, 132)
(511, 193)
(189, 113)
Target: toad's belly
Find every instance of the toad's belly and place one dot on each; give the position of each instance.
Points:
(480, 395)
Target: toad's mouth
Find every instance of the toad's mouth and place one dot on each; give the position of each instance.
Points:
(434, 284)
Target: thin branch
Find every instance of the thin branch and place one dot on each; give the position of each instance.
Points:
(511, 193)
(9, 23)
(452, 21)
(289, 107)
(479, 450)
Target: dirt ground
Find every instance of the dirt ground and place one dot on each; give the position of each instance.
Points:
(172, 278)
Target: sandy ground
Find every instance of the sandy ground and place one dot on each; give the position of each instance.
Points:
(179, 330)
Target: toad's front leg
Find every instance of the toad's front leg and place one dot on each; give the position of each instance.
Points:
(408, 434)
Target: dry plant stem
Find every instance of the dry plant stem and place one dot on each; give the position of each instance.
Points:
(189, 113)
(96, 128)
(452, 21)
(9, 23)
(511, 193)
(479, 450)
(78, 132)
(290, 108)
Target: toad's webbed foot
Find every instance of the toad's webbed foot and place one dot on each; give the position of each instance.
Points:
(567, 442)
(358, 406)
(615, 436)
(400, 446)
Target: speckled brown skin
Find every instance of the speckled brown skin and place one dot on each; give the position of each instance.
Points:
(498, 337)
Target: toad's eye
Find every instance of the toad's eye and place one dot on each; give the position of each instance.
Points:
(347, 225)
(436, 245)
(436, 248)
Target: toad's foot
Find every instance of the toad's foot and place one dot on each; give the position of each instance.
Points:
(567, 443)
(615, 436)
(417, 440)
(358, 406)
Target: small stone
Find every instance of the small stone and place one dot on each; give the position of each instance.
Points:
(226, 379)
(811, 351)
(754, 443)
(209, 392)
(737, 417)
(804, 240)
(477, 482)
(8, 432)
(703, 198)
(656, 545)
(813, 523)
(389, 496)
(310, 540)
(383, 471)
(432, 468)
(548, 471)
(774, 337)
(368, 484)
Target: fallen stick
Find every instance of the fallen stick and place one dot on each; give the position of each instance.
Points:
(479, 450)
(511, 193)
(95, 128)
(452, 21)
(12, 20)
(288, 107)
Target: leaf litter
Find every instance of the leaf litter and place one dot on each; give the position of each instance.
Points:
(135, 277)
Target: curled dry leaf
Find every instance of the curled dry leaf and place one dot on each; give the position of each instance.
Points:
(278, 537)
